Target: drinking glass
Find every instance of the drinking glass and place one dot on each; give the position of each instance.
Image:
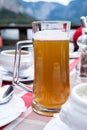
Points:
(51, 85)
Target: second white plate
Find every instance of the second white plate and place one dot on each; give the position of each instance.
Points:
(7, 76)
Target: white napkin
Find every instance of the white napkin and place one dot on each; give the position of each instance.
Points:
(11, 110)
(73, 55)
(56, 124)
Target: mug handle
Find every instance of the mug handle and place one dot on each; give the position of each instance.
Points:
(19, 46)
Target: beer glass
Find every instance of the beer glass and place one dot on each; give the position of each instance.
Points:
(51, 85)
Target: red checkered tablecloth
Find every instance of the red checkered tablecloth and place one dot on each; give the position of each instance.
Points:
(29, 114)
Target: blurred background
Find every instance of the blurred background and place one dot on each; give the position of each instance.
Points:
(16, 17)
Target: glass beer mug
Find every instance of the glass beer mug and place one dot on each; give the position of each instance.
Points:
(51, 85)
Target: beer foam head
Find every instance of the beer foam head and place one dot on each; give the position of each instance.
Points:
(51, 35)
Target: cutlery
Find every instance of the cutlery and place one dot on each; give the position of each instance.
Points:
(6, 93)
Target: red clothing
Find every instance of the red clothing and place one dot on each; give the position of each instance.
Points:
(77, 33)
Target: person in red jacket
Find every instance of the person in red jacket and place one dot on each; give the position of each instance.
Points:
(77, 33)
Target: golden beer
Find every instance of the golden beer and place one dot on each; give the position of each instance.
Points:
(51, 77)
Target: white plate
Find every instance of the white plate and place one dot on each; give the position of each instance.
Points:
(9, 78)
(11, 110)
(6, 76)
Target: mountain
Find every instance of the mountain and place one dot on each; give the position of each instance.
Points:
(9, 17)
(19, 11)
(56, 11)
(40, 10)
(11, 11)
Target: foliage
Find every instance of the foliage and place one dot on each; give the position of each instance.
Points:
(7, 17)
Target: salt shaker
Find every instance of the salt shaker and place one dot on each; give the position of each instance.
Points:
(81, 68)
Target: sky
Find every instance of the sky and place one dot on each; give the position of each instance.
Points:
(64, 2)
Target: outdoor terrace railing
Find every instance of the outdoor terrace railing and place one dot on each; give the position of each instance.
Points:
(22, 32)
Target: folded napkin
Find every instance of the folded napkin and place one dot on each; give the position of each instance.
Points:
(56, 124)
(11, 110)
